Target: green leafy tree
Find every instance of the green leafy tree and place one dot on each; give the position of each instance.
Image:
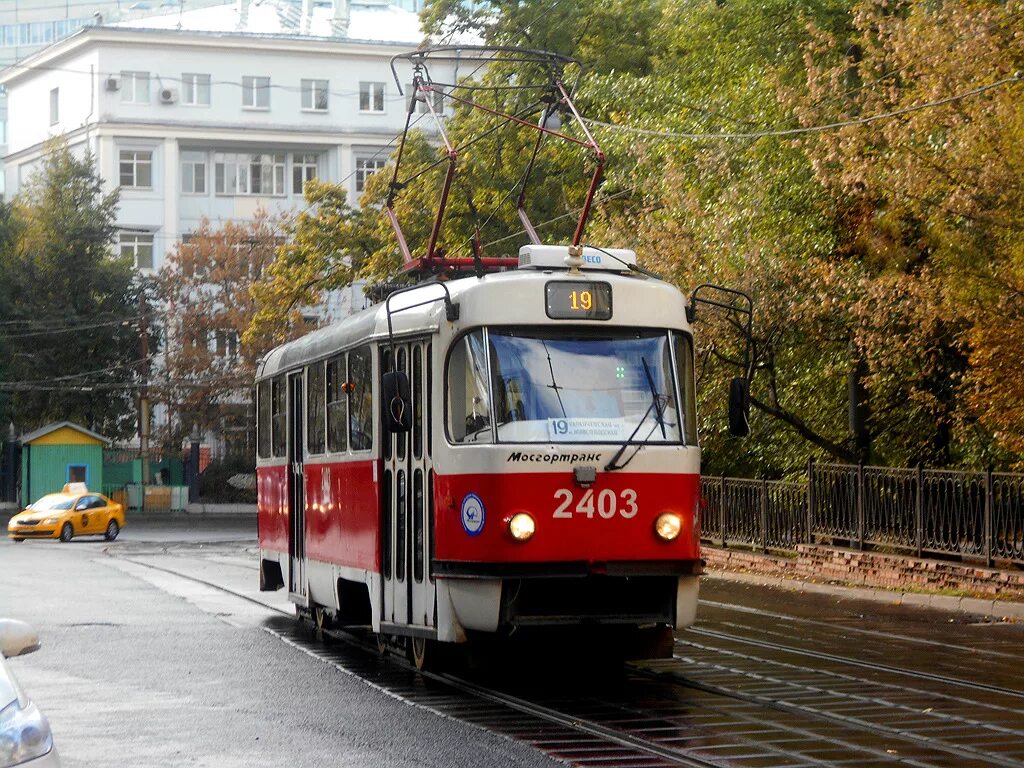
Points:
(937, 197)
(69, 305)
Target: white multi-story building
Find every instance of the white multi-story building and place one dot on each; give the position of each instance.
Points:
(28, 26)
(216, 112)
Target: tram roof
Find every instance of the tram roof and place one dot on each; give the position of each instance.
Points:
(372, 324)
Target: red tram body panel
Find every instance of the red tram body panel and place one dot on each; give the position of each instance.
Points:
(594, 525)
(546, 472)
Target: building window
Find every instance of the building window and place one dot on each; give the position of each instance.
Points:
(314, 95)
(195, 89)
(240, 173)
(304, 168)
(255, 92)
(365, 168)
(193, 173)
(226, 343)
(371, 97)
(135, 87)
(54, 106)
(136, 169)
(436, 97)
(139, 247)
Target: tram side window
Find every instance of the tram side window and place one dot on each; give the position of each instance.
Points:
(337, 405)
(684, 359)
(360, 371)
(263, 420)
(469, 410)
(279, 416)
(315, 408)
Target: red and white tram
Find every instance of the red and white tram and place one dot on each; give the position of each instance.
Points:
(549, 475)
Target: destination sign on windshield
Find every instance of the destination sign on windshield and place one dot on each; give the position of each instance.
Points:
(575, 300)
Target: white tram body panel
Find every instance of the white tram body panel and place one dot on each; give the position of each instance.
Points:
(550, 476)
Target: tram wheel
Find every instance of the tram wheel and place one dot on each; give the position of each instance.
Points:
(423, 653)
(321, 618)
(322, 621)
(382, 644)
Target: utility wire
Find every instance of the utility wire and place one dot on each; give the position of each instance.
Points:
(48, 323)
(65, 329)
(73, 376)
(778, 132)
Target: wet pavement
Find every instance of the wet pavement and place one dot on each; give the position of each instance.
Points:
(162, 642)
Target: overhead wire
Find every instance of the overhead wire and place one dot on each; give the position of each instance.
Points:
(84, 374)
(783, 132)
(65, 329)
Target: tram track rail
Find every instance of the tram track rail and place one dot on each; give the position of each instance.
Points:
(628, 750)
(739, 708)
(861, 631)
(902, 733)
(852, 662)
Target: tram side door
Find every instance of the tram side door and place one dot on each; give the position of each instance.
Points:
(407, 506)
(296, 489)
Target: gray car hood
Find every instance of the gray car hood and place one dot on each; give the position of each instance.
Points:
(9, 690)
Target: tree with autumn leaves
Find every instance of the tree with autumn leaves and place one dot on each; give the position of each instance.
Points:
(210, 362)
(853, 165)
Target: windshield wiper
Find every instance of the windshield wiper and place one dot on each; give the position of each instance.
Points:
(611, 466)
(654, 398)
(658, 403)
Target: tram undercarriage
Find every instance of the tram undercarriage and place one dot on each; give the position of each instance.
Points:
(617, 616)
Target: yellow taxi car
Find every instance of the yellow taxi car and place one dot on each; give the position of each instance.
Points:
(75, 511)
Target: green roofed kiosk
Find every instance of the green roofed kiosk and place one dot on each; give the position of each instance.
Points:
(60, 453)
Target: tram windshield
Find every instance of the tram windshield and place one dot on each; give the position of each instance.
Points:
(514, 385)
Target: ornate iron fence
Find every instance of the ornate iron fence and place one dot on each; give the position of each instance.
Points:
(770, 514)
(975, 515)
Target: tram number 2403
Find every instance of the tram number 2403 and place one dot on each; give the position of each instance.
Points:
(605, 503)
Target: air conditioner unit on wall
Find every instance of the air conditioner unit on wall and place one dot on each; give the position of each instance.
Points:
(168, 95)
(112, 84)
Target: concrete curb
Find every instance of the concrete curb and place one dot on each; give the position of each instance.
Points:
(196, 510)
(997, 609)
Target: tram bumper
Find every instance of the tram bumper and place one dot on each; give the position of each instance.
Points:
(605, 598)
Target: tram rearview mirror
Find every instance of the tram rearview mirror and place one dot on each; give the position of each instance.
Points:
(397, 407)
(739, 407)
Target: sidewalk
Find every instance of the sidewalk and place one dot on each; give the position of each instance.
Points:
(880, 578)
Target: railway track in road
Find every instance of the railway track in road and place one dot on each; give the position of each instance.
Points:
(728, 698)
(581, 742)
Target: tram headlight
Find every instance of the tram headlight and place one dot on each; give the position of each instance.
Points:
(668, 525)
(521, 527)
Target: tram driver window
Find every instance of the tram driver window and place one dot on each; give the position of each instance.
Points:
(279, 416)
(469, 410)
(360, 399)
(263, 420)
(687, 393)
(337, 405)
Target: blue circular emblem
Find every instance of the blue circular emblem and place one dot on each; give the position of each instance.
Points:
(472, 514)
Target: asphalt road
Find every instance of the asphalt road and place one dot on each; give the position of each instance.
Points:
(140, 667)
(146, 663)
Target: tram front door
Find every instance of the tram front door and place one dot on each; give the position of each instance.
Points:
(407, 498)
(296, 495)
